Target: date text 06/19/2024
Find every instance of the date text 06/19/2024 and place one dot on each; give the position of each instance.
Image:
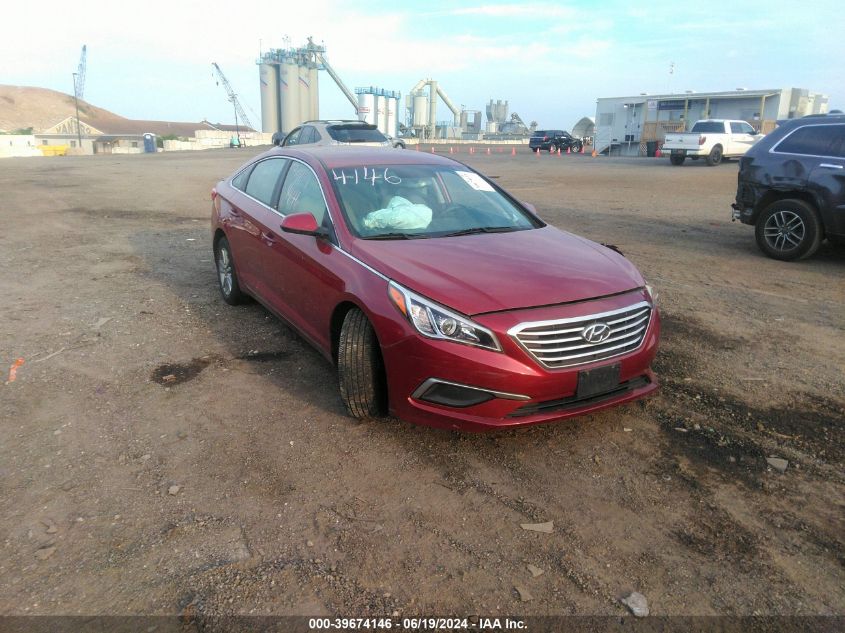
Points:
(417, 624)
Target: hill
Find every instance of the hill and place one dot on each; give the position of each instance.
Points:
(41, 108)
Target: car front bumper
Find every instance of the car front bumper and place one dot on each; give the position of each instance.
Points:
(480, 390)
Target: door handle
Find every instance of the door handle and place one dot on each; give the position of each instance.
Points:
(268, 238)
(830, 166)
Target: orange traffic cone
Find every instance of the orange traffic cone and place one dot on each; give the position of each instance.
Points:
(513, 151)
(488, 151)
(432, 149)
(418, 147)
(594, 154)
(658, 153)
(568, 150)
(582, 148)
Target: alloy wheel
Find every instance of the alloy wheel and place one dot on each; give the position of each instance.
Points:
(784, 230)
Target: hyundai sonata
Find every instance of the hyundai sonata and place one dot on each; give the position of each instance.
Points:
(439, 297)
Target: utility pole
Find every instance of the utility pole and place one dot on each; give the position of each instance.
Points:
(76, 101)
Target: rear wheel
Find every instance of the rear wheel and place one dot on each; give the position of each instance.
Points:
(552, 149)
(576, 148)
(360, 368)
(677, 159)
(715, 156)
(788, 230)
(227, 277)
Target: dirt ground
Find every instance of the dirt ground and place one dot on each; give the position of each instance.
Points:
(242, 487)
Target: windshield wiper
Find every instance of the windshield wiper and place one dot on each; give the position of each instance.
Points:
(395, 236)
(481, 229)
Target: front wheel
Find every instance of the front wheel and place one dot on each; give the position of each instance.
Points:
(576, 148)
(360, 368)
(715, 156)
(677, 159)
(788, 230)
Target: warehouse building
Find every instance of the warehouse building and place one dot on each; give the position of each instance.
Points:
(625, 125)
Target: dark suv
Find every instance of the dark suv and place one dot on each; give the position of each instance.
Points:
(791, 187)
(552, 140)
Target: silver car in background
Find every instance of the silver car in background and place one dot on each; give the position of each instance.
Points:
(334, 132)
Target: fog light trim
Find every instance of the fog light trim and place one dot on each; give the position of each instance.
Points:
(457, 395)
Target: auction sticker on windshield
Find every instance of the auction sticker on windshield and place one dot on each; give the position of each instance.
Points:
(475, 181)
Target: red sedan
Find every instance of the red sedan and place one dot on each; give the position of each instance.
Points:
(441, 298)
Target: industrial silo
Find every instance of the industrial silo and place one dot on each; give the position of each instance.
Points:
(313, 93)
(304, 94)
(420, 109)
(392, 107)
(367, 107)
(381, 112)
(289, 92)
(269, 98)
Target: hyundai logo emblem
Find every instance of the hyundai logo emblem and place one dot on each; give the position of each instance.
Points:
(596, 333)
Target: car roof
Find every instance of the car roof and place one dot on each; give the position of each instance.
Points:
(348, 156)
(813, 119)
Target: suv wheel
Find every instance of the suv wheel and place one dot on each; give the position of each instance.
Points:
(677, 159)
(788, 230)
(552, 149)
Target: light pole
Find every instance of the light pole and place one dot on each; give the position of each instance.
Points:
(76, 101)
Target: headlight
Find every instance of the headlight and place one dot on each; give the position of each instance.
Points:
(652, 292)
(435, 321)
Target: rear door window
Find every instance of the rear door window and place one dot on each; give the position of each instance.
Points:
(263, 180)
(307, 135)
(814, 140)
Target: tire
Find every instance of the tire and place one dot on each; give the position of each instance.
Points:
(576, 148)
(552, 149)
(677, 159)
(715, 156)
(788, 230)
(227, 277)
(360, 368)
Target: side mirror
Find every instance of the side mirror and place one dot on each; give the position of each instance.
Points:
(530, 207)
(302, 224)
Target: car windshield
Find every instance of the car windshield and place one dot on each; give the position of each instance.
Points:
(423, 201)
(356, 134)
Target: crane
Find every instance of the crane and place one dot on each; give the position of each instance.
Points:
(79, 86)
(239, 111)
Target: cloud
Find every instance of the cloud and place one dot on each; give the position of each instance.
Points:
(539, 11)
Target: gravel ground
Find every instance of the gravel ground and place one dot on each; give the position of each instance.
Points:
(241, 487)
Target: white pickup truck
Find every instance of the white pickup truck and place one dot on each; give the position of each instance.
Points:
(711, 139)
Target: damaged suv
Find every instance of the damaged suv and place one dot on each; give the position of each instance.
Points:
(791, 187)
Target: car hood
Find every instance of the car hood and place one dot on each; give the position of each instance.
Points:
(491, 272)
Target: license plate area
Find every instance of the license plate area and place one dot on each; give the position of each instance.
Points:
(593, 382)
(679, 152)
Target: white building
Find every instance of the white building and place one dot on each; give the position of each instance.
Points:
(624, 125)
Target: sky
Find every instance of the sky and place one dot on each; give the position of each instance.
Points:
(550, 60)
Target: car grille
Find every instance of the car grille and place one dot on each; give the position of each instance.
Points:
(562, 343)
